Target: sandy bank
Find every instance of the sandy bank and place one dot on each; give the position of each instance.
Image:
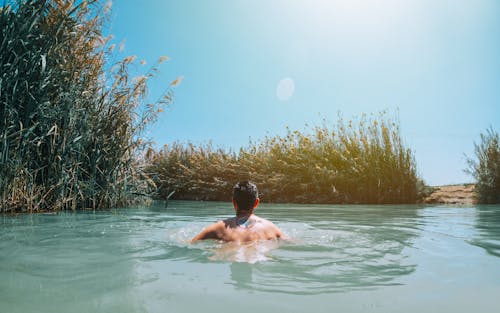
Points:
(452, 194)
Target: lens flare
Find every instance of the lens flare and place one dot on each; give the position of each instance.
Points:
(285, 89)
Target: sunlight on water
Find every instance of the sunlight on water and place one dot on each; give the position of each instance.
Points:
(353, 258)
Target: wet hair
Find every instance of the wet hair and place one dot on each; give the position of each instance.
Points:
(244, 194)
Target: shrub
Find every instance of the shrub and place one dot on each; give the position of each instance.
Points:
(486, 169)
(69, 128)
(361, 161)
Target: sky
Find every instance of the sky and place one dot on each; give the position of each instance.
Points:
(252, 68)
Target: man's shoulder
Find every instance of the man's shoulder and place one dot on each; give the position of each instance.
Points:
(263, 220)
(267, 225)
(218, 225)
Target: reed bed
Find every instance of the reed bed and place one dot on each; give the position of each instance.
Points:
(359, 161)
(69, 127)
(486, 168)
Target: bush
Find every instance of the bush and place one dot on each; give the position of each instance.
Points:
(486, 169)
(69, 128)
(360, 161)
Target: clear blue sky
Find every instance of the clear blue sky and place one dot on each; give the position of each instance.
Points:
(436, 61)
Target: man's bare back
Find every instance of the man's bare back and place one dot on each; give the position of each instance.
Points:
(233, 229)
(245, 226)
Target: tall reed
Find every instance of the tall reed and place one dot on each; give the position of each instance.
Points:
(486, 168)
(360, 161)
(69, 128)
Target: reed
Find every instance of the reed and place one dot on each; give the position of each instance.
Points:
(359, 161)
(69, 127)
(486, 168)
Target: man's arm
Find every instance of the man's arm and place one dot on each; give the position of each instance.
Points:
(273, 230)
(278, 232)
(210, 232)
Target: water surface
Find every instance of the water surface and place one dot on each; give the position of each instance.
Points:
(345, 258)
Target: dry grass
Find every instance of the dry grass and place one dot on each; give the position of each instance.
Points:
(361, 161)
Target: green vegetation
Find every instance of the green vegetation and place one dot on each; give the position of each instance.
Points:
(486, 169)
(69, 127)
(363, 161)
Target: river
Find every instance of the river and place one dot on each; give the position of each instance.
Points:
(397, 258)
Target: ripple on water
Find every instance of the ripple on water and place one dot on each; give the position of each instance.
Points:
(334, 260)
(317, 258)
(111, 256)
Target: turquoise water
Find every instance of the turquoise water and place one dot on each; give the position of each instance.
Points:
(340, 258)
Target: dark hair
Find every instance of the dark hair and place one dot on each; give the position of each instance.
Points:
(244, 194)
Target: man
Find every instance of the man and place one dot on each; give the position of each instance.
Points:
(245, 226)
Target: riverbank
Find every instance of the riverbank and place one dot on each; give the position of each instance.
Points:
(448, 194)
(452, 194)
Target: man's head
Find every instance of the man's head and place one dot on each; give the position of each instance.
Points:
(245, 196)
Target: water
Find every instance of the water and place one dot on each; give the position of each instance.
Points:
(340, 258)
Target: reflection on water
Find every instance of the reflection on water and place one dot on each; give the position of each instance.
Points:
(141, 260)
(56, 262)
(488, 226)
(241, 275)
(334, 250)
(249, 252)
